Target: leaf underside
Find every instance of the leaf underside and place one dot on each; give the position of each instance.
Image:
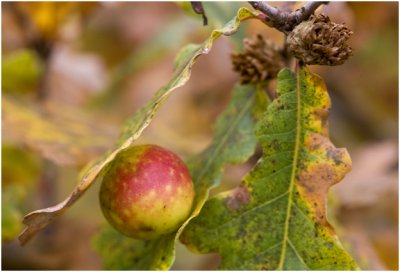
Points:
(234, 142)
(276, 218)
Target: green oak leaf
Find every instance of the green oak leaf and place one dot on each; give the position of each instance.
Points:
(234, 142)
(120, 252)
(134, 127)
(276, 219)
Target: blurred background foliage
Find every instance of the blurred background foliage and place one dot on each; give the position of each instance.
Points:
(73, 71)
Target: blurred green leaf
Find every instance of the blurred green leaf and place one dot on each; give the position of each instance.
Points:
(11, 221)
(21, 71)
(276, 219)
(11, 216)
(15, 159)
(20, 171)
(234, 142)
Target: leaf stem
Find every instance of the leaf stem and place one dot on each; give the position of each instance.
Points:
(285, 21)
(197, 6)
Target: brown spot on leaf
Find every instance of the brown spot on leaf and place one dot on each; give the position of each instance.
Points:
(315, 141)
(336, 155)
(239, 197)
(321, 114)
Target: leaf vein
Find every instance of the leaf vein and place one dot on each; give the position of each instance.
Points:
(246, 261)
(279, 133)
(297, 254)
(263, 205)
(226, 137)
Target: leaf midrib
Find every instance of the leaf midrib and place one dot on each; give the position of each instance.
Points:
(293, 174)
(223, 141)
(227, 135)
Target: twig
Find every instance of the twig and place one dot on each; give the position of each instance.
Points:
(198, 8)
(307, 10)
(287, 6)
(266, 8)
(285, 21)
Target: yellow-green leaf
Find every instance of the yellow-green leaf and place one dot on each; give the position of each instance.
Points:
(134, 127)
(15, 187)
(276, 219)
(11, 215)
(21, 71)
(15, 160)
(218, 12)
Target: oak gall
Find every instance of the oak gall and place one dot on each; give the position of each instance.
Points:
(146, 192)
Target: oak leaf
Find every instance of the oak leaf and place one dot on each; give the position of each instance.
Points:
(276, 219)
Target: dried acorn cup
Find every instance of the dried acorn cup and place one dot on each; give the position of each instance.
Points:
(146, 192)
(260, 61)
(320, 41)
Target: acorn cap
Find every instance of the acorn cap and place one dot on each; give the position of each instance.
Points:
(320, 41)
(260, 61)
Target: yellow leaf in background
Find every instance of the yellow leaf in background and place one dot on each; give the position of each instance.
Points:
(62, 134)
(49, 16)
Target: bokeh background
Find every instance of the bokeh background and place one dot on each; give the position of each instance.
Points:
(73, 72)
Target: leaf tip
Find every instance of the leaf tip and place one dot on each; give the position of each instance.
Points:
(35, 221)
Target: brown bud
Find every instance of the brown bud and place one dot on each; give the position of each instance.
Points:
(320, 41)
(260, 61)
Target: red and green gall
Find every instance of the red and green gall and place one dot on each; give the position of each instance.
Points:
(147, 192)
